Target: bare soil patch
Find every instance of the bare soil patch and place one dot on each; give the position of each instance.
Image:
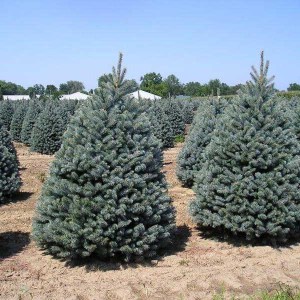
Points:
(195, 266)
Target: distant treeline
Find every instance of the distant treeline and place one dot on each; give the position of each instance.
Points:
(10, 88)
(151, 82)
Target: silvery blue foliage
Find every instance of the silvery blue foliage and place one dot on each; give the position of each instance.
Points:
(188, 111)
(161, 126)
(30, 119)
(6, 113)
(10, 181)
(249, 183)
(48, 129)
(106, 194)
(5, 140)
(176, 119)
(191, 157)
(17, 120)
(292, 109)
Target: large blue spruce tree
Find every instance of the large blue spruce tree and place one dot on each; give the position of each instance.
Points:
(106, 194)
(250, 181)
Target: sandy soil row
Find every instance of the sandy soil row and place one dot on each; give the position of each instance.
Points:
(195, 267)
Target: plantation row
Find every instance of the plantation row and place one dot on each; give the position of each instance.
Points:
(106, 194)
(40, 124)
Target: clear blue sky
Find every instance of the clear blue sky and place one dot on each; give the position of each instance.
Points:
(50, 42)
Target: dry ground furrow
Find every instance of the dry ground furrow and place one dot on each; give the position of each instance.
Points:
(194, 269)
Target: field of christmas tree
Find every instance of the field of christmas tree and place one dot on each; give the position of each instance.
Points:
(113, 198)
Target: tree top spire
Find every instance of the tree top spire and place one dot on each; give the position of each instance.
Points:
(261, 85)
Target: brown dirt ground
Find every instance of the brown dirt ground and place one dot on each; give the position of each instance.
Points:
(196, 266)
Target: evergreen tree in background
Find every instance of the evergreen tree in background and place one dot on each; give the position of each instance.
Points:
(48, 130)
(188, 112)
(106, 194)
(250, 181)
(293, 112)
(31, 116)
(191, 157)
(10, 181)
(5, 140)
(161, 126)
(67, 110)
(6, 113)
(17, 120)
(172, 109)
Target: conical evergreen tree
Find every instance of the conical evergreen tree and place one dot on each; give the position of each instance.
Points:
(293, 112)
(175, 116)
(250, 181)
(30, 118)
(106, 194)
(5, 140)
(66, 111)
(48, 130)
(10, 181)
(6, 113)
(17, 120)
(161, 126)
(188, 112)
(191, 157)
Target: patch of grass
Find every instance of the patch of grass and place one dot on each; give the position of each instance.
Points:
(284, 292)
(179, 139)
(42, 177)
(184, 262)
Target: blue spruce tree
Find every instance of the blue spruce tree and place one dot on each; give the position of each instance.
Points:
(161, 126)
(10, 181)
(191, 157)
(17, 120)
(250, 181)
(48, 130)
(106, 194)
(6, 113)
(30, 118)
(187, 112)
(176, 119)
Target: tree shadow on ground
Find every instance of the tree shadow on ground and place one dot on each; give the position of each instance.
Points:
(239, 240)
(17, 197)
(92, 263)
(13, 242)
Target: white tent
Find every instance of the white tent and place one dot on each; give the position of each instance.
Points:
(144, 95)
(17, 97)
(74, 96)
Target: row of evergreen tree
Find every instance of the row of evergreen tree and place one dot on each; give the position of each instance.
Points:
(106, 194)
(38, 124)
(41, 124)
